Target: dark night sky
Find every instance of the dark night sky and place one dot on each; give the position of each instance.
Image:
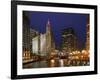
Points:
(59, 21)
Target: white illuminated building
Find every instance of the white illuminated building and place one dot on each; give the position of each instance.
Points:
(35, 45)
(39, 48)
(43, 44)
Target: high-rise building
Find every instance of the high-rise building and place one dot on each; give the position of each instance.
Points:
(68, 40)
(39, 44)
(49, 38)
(34, 37)
(33, 34)
(26, 32)
(35, 47)
(43, 43)
(88, 33)
(26, 37)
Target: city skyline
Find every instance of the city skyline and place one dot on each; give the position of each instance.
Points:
(49, 43)
(58, 22)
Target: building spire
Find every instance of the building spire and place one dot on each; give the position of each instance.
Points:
(48, 25)
(48, 22)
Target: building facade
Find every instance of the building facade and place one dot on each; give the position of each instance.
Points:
(68, 40)
(88, 34)
(43, 43)
(50, 44)
(33, 34)
(26, 37)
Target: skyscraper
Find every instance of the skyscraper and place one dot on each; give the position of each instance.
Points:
(26, 37)
(68, 40)
(49, 38)
(43, 43)
(26, 32)
(88, 33)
